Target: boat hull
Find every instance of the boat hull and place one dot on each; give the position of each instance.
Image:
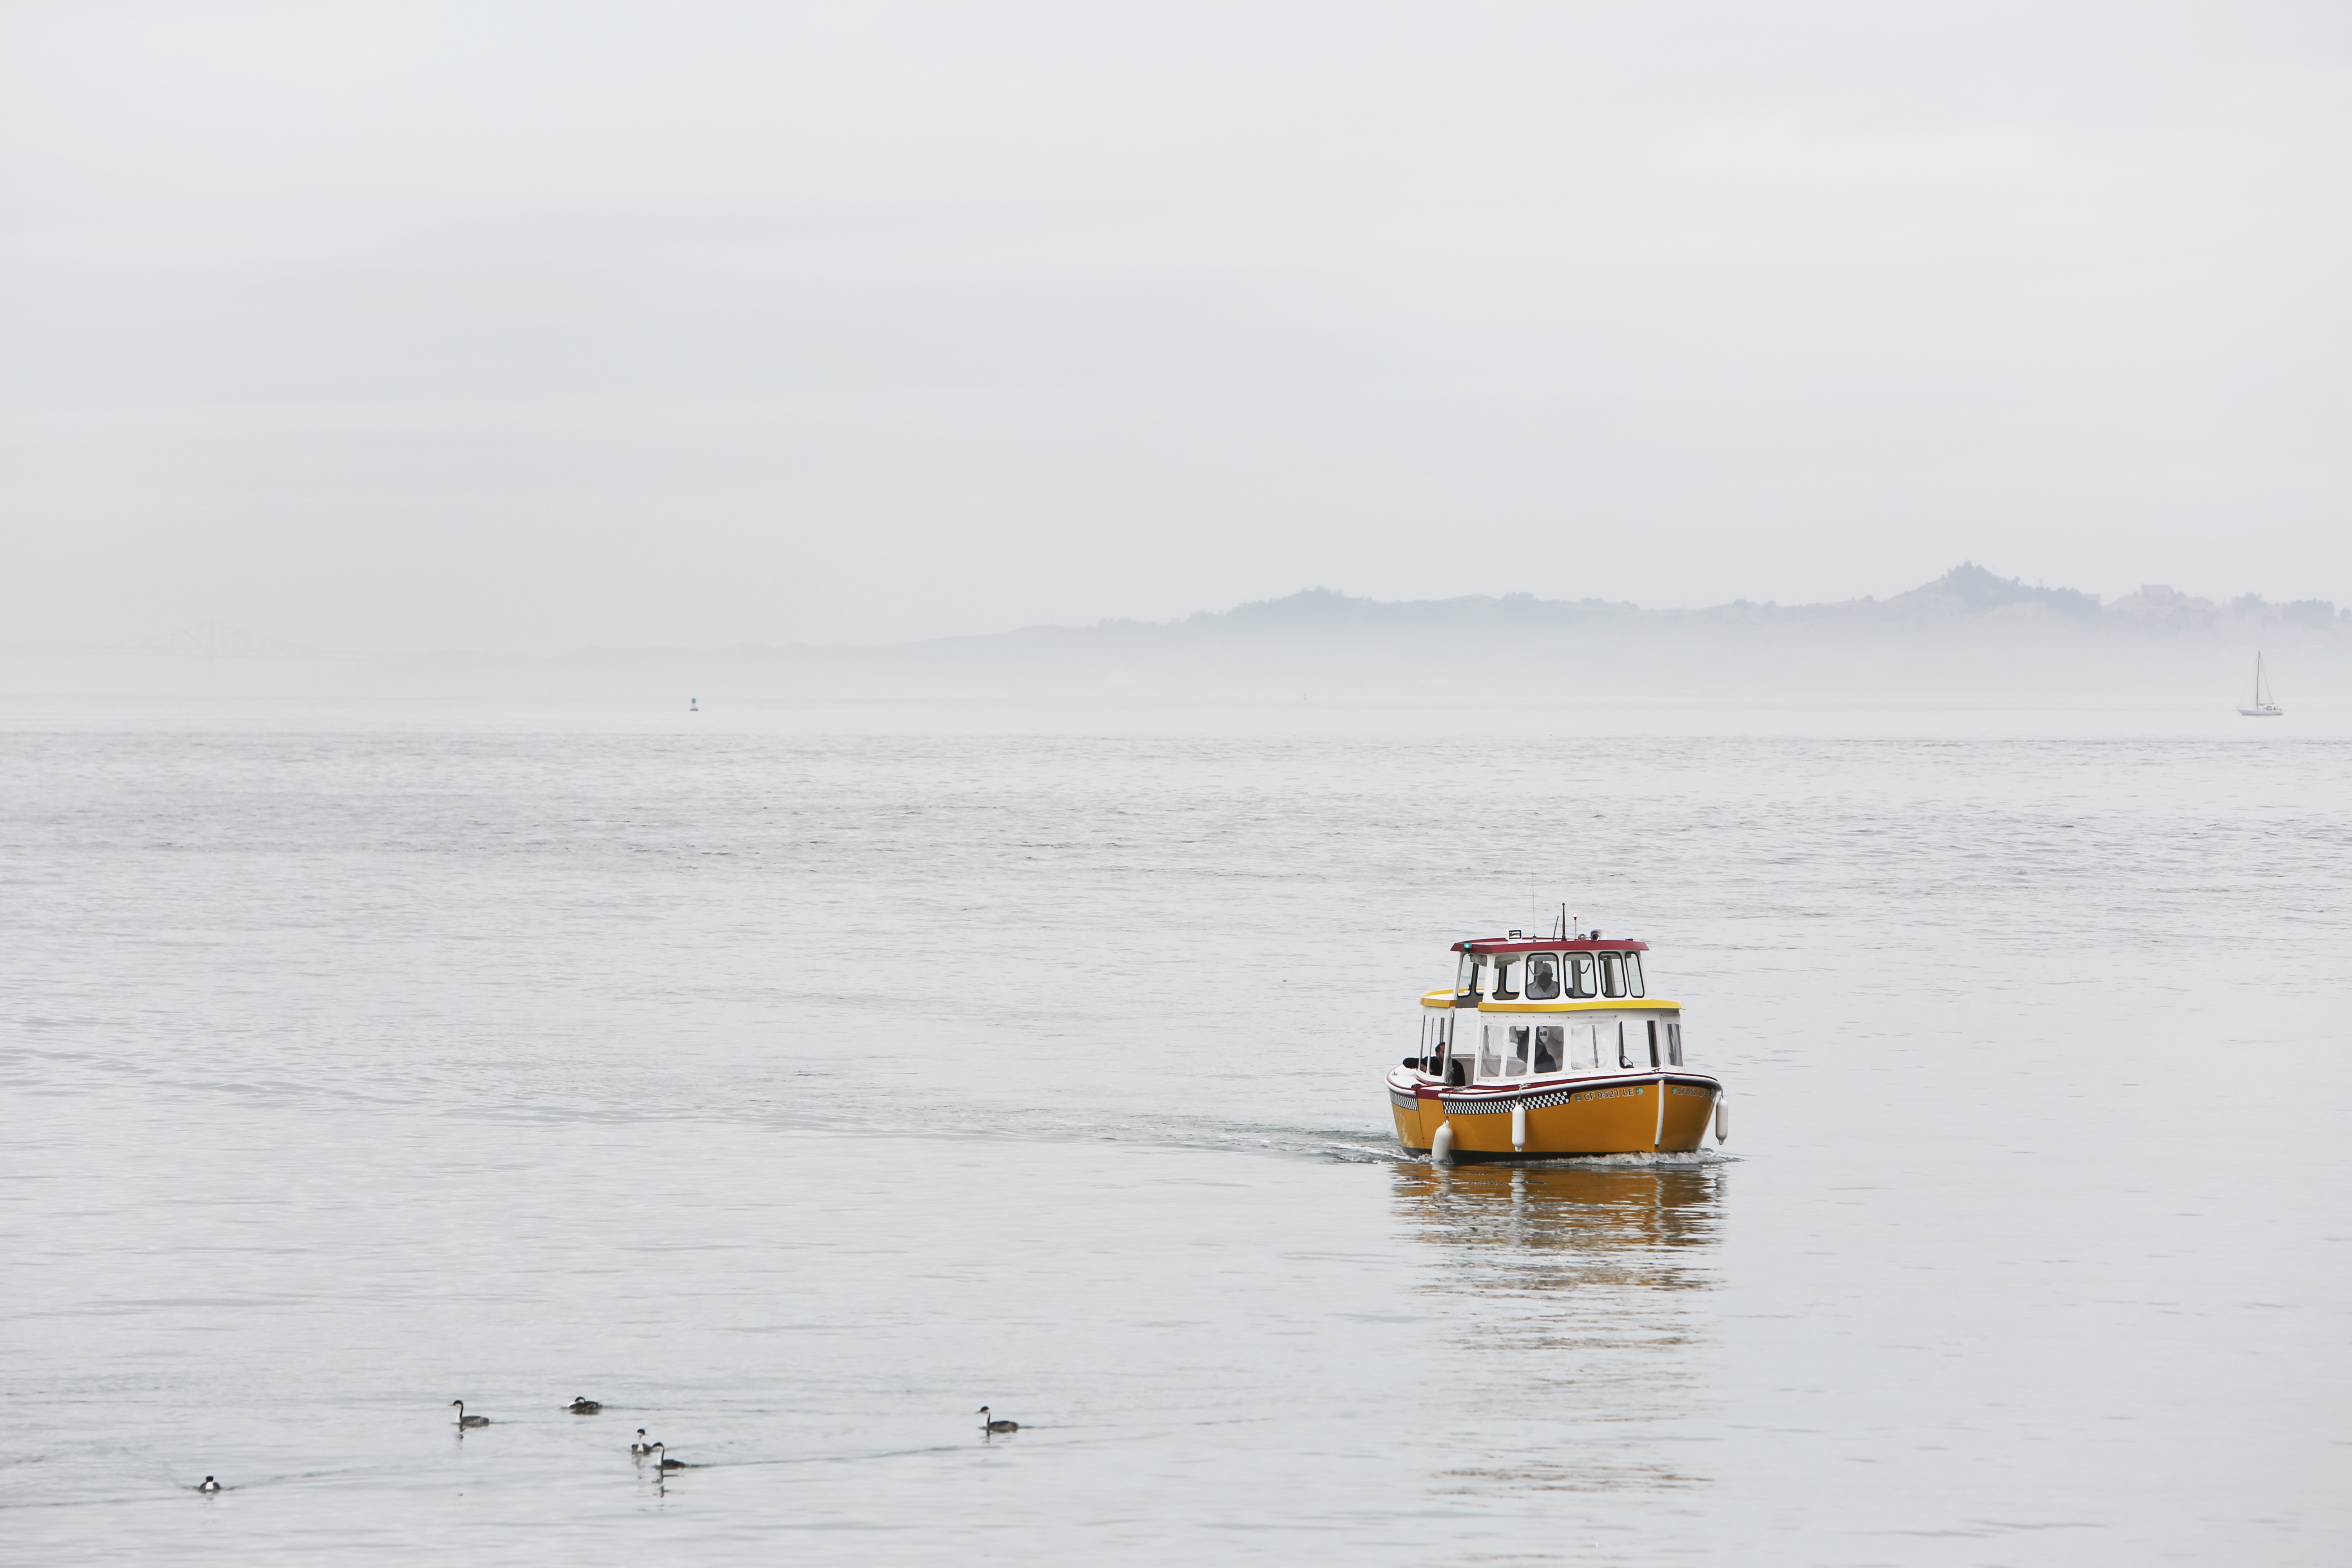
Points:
(1665, 1112)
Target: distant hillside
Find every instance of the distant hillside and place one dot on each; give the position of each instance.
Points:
(1967, 598)
(1970, 638)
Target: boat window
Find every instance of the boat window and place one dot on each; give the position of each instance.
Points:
(1612, 975)
(1503, 992)
(1543, 976)
(1656, 1046)
(1515, 1064)
(1466, 981)
(1578, 975)
(1584, 1045)
(1549, 1047)
(1632, 975)
(1490, 1064)
(1674, 1044)
(1625, 1045)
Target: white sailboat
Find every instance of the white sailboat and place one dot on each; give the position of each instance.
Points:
(2263, 707)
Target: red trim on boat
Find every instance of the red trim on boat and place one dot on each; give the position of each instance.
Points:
(1505, 944)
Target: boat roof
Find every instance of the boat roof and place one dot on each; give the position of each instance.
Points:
(1537, 944)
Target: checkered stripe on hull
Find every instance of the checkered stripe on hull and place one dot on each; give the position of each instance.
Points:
(1542, 1102)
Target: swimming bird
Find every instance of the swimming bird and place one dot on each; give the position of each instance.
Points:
(994, 1426)
(466, 1420)
(641, 1446)
(210, 1485)
(583, 1405)
(662, 1461)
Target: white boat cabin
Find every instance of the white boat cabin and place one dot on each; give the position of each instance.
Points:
(1523, 1009)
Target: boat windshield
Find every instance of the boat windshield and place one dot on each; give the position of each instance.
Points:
(1612, 975)
(1543, 976)
(1632, 975)
(1578, 974)
(1504, 963)
(1466, 981)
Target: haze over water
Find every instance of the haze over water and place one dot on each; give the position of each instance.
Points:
(797, 1081)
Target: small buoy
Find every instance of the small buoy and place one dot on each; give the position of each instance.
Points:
(1441, 1148)
(1518, 1127)
(1722, 1117)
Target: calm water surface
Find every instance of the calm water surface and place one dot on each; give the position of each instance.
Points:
(796, 1092)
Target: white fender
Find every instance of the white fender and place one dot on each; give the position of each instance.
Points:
(1722, 1116)
(1441, 1148)
(1518, 1127)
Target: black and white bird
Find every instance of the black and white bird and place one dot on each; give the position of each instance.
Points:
(210, 1485)
(466, 1420)
(583, 1405)
(641, 1446)
(989, 1424)
(662, 1461)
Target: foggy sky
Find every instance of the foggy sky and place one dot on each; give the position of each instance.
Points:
(531, 326)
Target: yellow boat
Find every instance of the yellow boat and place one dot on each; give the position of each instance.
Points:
(1551, 1047)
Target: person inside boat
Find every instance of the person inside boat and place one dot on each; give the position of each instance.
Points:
(1452, 1066)
(1543, 976)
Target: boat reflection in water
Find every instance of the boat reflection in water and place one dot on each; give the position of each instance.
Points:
(1580, 1351)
